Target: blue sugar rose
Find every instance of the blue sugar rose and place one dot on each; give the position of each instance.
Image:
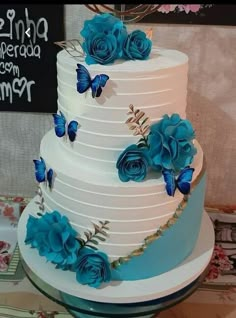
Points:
(133, 164)
(104, 36)
(92, 268)
(54, 238)
(100, 48)
(137, 46)
(170, 143)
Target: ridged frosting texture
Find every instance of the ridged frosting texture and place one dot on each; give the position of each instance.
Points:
(157, 86)
(87, 187)
(85, 195)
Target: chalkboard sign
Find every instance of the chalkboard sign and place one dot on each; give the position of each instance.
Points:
(28, 80)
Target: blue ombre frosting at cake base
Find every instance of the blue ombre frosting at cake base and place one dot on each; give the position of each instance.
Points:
(173, 247)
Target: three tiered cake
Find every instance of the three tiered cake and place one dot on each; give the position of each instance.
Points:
(121, 175)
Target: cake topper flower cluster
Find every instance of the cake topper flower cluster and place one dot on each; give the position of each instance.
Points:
(106, 39)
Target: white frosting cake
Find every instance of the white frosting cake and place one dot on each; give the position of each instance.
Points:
(87, 187)
(121, 176)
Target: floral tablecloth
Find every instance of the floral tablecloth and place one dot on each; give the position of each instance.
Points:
(215, 298)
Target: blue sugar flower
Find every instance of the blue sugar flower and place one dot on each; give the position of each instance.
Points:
(170, 143)
(133, 164)
(92, 268)
(104, 36)
(137, 46)
(54, 238)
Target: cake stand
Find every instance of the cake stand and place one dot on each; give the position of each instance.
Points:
(142, 298)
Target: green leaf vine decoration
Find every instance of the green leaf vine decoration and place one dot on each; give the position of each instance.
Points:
(40, 203)
(139, 123)
(99, 234)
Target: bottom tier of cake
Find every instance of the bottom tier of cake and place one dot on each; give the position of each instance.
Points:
(65, 286)
(148, 232)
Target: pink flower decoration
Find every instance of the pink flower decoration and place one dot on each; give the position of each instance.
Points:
(4, 262)
(4, 256)
(18, 199)
(213, 273)
(8, 211)
(4, 246)
(189, 7)
(3, 265)
(7, 258)
(166, 8)
(219, 263)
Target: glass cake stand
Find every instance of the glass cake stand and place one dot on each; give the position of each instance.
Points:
(82, 308)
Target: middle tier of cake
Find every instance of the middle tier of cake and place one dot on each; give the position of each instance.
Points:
(156, 86)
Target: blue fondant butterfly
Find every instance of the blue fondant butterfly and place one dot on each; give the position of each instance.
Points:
(41, 174)
(84, 81)
(182, 182)
(60, 126)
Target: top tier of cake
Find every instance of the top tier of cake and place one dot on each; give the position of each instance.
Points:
(157, 86)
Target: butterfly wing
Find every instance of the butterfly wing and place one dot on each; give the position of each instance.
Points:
(184, 180)
(103, 79)
(60, 124)
(50, 177)
(40, 169)
(83, 79)
(169, 178)
(98, 82)
(72, 129)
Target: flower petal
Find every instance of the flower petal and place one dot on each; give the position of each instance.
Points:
(55, 241)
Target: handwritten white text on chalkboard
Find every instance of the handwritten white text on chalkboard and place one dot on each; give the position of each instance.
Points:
(22, 50)
(9, 68)
(13, 29)
(18, 86)
(38, 29)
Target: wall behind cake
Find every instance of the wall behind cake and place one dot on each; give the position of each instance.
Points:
(211, 107)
